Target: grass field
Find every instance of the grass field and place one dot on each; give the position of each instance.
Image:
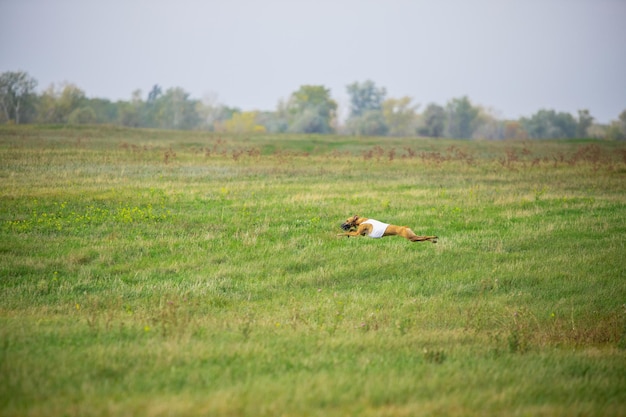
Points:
(161, 273)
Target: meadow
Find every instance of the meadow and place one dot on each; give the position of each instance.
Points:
(160, 273)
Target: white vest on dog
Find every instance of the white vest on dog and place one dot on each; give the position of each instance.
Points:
(378, 228)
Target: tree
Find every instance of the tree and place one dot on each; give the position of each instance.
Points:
(433, 121)
(150, 108)
(243, 122)
(487, 125)
(585, 120)
(400, 116)
(211, 118)
(366, 112)
(105, 111)
(82, 115)
(462, 118)
(513, 130)
(274, 121)
(56, 106)
(154, 94)
(370, 123)
(130, 113)
(548, 124)
(617, 129)
(311, 110)
(365, 97)
(176, 110)
(16, 88)
(211, 113)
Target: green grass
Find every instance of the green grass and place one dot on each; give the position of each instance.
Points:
(187, 273)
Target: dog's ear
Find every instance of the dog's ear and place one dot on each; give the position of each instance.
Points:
(355, 218)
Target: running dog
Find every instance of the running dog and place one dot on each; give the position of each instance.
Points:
(362, 226)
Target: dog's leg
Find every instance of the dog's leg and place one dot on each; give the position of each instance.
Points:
(410, 234)
(424, 239)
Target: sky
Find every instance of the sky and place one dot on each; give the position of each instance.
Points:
(513, 57)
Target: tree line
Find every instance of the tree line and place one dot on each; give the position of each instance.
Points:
(310, 109)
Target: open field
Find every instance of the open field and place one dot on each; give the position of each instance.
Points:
(161, 273)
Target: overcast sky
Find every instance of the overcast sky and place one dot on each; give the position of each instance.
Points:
(513, 56)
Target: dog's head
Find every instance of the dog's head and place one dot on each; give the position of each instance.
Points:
(350, 223)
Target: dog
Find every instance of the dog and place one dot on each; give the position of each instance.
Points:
(362, 226)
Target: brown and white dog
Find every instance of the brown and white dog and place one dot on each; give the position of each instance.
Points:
(362, 226)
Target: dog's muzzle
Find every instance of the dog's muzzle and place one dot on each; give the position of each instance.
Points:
(346, 226)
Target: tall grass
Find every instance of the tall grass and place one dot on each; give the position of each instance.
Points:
(185, 273)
